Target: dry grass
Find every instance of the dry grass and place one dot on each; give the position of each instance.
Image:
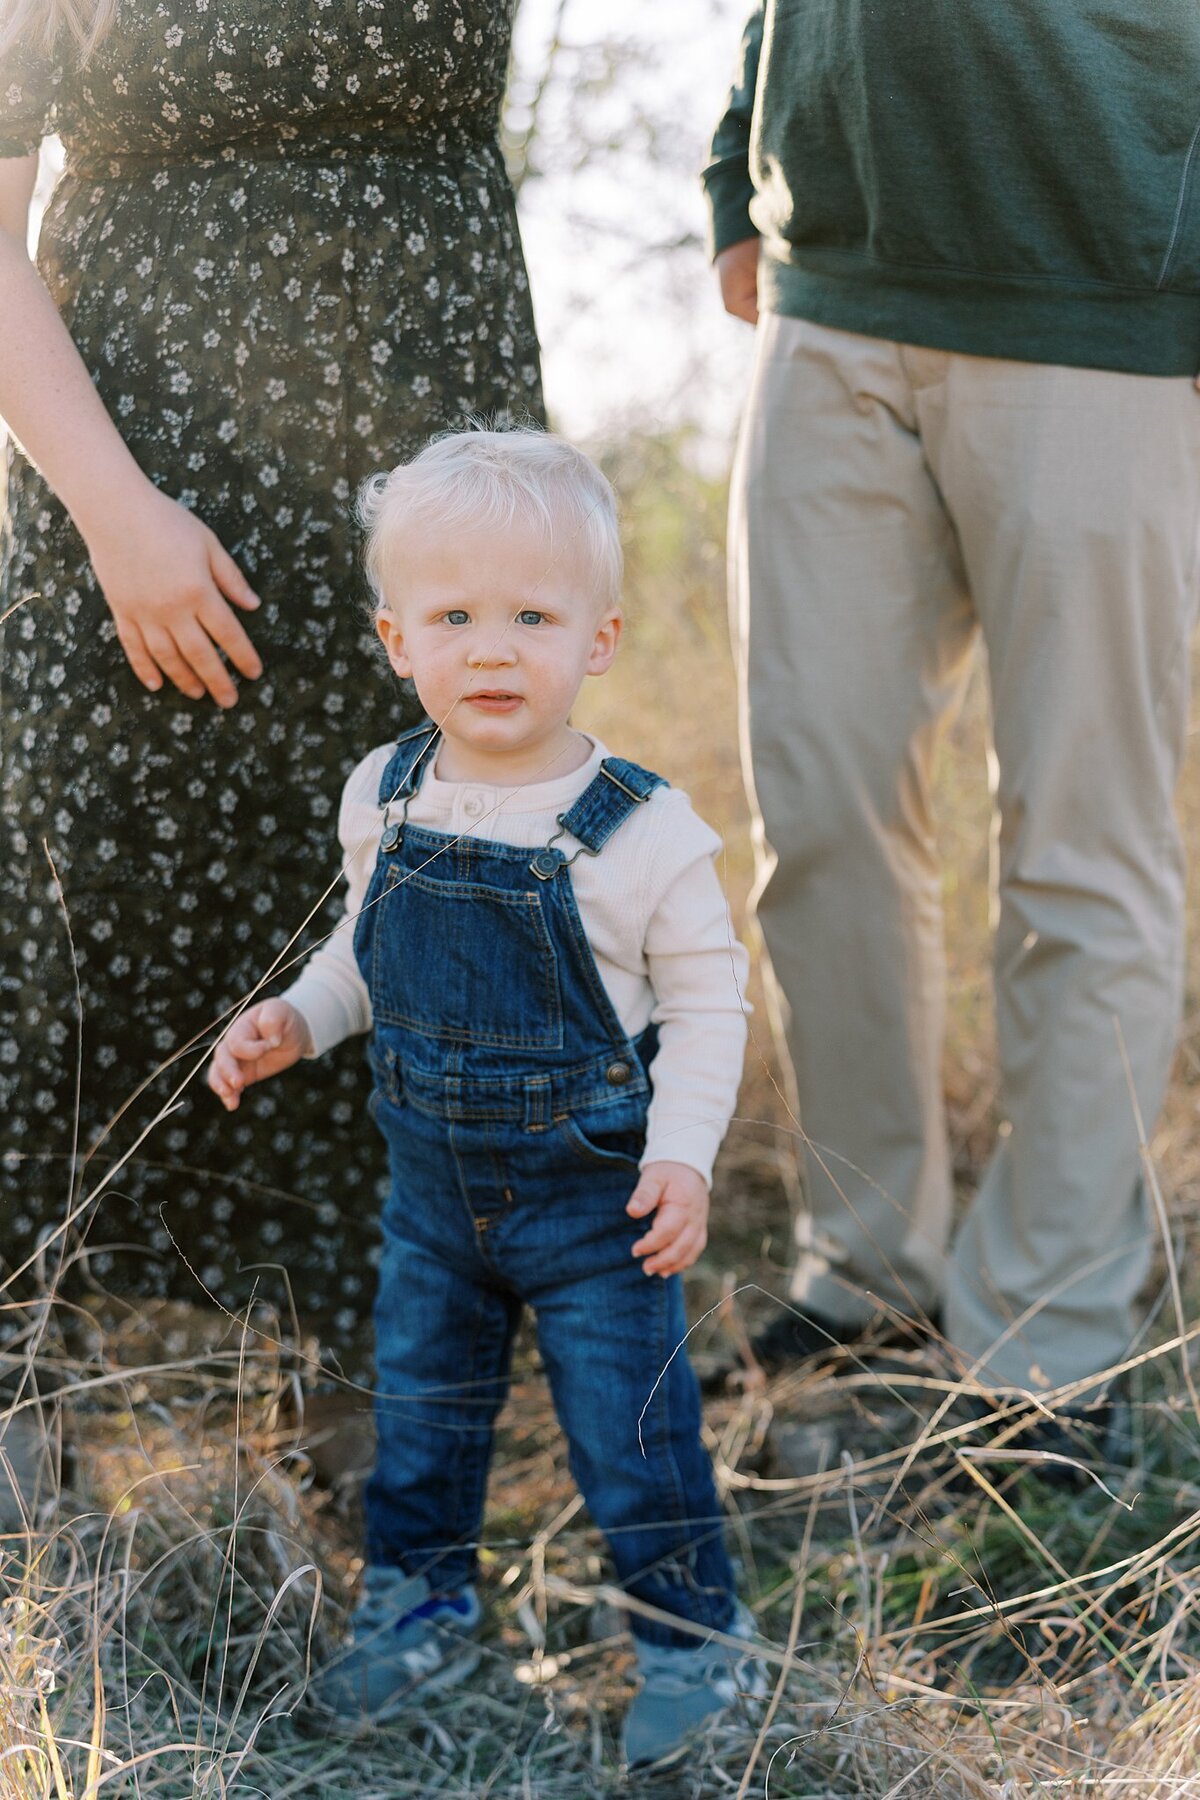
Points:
(941, 1626)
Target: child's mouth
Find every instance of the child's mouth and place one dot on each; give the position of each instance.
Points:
(495, 702)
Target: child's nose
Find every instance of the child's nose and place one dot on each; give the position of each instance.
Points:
(493, 651)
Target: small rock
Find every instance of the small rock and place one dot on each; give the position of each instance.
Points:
(808, 1449)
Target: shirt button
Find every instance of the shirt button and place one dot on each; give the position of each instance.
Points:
(618, 1073)
(472, 806)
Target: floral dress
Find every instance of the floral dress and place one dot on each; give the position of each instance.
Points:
(285, 245)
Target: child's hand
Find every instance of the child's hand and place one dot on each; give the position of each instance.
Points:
(679, 1196)
(261, 1041)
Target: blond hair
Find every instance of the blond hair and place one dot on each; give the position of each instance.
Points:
(41, 23)
(495, 481)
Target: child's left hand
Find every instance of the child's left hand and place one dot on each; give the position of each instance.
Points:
(679, 1196)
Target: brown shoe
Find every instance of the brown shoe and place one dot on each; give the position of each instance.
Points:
(791, 1336)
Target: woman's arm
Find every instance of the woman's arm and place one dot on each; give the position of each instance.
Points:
(164, 574)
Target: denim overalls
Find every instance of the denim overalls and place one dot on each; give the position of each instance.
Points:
(514, 1107)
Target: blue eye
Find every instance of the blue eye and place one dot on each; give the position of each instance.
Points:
(530, 616)
(457, 617)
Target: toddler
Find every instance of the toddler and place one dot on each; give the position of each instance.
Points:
(538, 944)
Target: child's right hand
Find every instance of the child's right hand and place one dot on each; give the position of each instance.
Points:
(266, 1038)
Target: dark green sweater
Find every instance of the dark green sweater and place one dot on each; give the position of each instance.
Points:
(1016, 178)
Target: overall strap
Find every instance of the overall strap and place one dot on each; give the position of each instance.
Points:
(406, 765)
(604, 805)
(607, 801)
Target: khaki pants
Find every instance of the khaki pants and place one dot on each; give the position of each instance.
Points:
(890, 503)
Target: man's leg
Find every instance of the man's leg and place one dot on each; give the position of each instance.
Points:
(1076, 495)
(852, 629)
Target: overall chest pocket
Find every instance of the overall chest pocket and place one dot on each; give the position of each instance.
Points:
(465, 963)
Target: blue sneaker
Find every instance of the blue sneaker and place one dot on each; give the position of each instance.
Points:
(404, 1639)
(683, 1692)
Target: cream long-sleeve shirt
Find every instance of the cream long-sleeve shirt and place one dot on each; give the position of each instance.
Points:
(653, 911)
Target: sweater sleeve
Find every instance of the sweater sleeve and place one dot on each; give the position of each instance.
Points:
(698, 970)
(727, 180)
(329, 991)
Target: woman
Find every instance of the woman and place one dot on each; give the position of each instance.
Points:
(282, 253)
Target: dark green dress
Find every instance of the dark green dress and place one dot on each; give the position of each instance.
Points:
(285, 244)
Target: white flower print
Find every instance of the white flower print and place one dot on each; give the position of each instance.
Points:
(194, 841)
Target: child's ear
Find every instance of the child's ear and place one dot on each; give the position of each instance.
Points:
(392, 639)
(604, 644)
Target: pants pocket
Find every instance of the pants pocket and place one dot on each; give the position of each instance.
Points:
(604, 1149)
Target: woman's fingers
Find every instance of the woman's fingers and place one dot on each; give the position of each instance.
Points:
(188, 654)
(224, 628)
(173, 587)
(162, 647)
(138, 656)
(230, 580)
(199, 651)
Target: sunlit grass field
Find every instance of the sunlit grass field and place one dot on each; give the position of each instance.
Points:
(936, 1625)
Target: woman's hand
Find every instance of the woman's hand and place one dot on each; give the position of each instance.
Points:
(172, 587)
(267, 1038)
(677, 1195)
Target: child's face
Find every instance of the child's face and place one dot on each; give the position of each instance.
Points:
(497, 636)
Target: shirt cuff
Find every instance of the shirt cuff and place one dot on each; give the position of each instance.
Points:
(328, 1021)
(683, 1141)
(730, 191)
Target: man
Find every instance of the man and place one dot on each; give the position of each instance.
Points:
(970, 234)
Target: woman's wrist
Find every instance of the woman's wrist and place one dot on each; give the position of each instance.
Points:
(105, 503)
